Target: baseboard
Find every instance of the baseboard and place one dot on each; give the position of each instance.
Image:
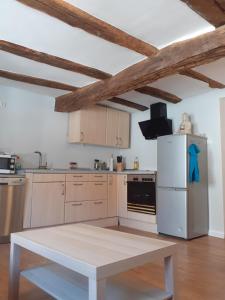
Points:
(149, 227)
(108, 222)
(218, 234)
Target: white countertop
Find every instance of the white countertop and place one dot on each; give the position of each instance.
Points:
(83, 170)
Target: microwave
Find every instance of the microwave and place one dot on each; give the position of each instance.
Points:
(7, 164)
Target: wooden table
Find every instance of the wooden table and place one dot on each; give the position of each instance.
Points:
(93, 252)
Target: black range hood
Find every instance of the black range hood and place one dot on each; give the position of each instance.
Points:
(158, 125)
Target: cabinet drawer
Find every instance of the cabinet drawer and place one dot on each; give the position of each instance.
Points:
(77, 177)
(77, 191)
(97, 177)
(77, 211)
(98, 209)
(97, 190)
(48, 177)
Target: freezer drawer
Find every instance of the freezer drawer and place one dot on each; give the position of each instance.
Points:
(172, 212)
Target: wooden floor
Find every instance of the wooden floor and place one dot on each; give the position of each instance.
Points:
(201, 270)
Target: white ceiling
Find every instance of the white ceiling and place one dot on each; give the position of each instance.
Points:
(158, 22)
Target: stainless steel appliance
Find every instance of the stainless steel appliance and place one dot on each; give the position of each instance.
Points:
(141, 193)
(7, 164)
(182, 207)
(11, 206)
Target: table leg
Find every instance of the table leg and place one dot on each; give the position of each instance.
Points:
(169, 273)
(14, 271)
(96, 289)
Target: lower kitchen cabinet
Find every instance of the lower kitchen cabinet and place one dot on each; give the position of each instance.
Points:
(98, 209)
(122, 195)
(112, 209)
(77, 191)
(47, 204)
(77, 211)
(85, 210)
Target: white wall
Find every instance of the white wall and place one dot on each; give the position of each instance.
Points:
(145, 150)
(29, 123)
(222, 123)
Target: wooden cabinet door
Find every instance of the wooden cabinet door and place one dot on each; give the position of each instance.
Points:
(96, 131)
(112, 127)
(77, 211)
(77, 191)
(112, 196)
(124, 129)
(78, 126)
(98, 209)
(122, 195)
(47, 204)
(97, 190)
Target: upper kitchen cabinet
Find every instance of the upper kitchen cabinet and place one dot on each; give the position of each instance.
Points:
(118, 128)
(99, 125)
(88, 126)
(123, 129)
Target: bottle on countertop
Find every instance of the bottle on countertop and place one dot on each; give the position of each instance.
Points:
(136, 163)
(111, 162)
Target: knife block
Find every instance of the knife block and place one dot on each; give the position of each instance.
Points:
(120, 167)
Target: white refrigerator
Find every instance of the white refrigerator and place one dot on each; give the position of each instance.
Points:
(182, 206)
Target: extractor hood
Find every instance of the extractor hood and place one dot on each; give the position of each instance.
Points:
(158, 125)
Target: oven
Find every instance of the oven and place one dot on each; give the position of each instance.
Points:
(141, 193)
(7, 164)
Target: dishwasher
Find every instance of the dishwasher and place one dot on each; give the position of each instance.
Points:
(11, 206)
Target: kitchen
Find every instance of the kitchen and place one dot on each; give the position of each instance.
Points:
(30, 122)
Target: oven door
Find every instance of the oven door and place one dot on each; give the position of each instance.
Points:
(7, 164)
(141, 197)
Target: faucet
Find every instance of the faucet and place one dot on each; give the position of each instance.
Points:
(40, 159)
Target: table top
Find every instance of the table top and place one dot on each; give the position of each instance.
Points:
(93, 251)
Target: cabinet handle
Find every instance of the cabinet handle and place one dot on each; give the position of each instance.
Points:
(77, 204)
(78, 184)
(98, 183)
(63, 191)
(77, 176)
(121, 141)
(81, 136)
(98, 202)
(117, 141)
(98, 176)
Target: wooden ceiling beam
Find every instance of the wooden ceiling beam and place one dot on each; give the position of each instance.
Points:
(154, 92)
(68, 65)
(52, 60)
(37, 81)
(127, 103)
(62, 86)
(169, 60)
(212, 11)
(78, 18)
(196, 75)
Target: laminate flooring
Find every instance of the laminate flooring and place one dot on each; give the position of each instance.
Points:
(200, 269)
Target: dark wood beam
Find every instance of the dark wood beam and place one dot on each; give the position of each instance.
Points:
(52, 60)
(196, 75)
(154, 92)
(170, 60)
(212, 11)
(128, 103)
(78, 18)
(62, 86)
(37, 81)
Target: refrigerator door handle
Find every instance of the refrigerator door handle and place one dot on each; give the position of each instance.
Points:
(171, 188)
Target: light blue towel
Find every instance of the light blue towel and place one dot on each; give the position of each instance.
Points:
(194, 175)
